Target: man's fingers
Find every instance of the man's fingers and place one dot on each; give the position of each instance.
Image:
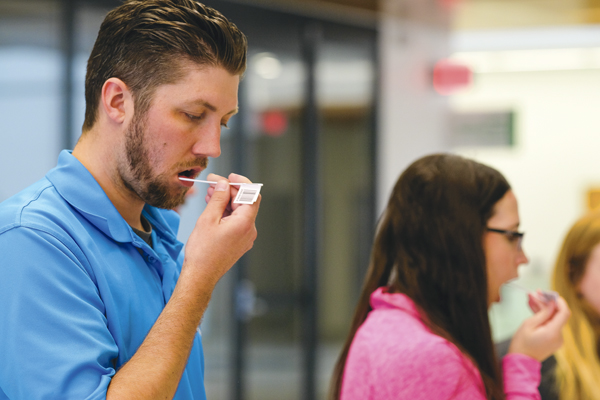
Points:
(235, 178)
(248, 210)
(238, 178)
(234, 189)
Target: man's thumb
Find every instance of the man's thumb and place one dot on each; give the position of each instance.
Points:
(219, 200)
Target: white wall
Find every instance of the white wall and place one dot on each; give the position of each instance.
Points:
(555, 160)
(30, 112)
(412, 116)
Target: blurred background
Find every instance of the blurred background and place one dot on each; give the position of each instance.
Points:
(339, 97)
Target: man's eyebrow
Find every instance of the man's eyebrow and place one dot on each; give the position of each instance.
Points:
(212, 107)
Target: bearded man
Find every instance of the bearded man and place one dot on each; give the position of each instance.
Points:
(97, 298)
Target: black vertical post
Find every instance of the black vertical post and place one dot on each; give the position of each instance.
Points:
(370, 219)
(68, 54)
(311, 201)
(374, 141)
(239, 334)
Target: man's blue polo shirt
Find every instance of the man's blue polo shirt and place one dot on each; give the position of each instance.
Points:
(79, 291)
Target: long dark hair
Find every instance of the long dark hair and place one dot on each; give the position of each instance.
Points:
(429, 246)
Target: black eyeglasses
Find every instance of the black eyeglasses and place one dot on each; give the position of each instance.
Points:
(512, 236)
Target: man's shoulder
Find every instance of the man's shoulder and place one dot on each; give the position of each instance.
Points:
(33, 205)
(39, 223)
(41, 210)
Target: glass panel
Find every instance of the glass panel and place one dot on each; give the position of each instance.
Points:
(88, 19)
(30, 92)
(275, 95)
(345, 89)
(271, 98)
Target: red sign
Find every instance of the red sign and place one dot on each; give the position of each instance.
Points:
(448, 77)
(274, 122)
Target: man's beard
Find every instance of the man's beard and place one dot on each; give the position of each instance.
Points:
(153, 190)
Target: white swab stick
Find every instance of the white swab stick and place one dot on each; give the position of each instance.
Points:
(517, 286)
(547, 295)
(214, 183)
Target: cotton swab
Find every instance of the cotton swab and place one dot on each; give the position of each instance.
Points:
(247, 194)
(214, 183)
(547, 295)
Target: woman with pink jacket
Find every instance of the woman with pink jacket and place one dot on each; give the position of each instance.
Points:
(446, 243)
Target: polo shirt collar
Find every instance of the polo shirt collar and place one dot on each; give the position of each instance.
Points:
(165, 223)
(81, 190)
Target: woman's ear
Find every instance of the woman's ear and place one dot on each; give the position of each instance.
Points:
(116, 100)
(577, 289)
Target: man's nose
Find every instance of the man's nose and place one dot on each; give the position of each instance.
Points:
(208, 143)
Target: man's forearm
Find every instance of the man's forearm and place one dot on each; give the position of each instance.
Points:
(215, 244)
(156, 368)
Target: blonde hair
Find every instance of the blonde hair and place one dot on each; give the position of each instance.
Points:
(578, 365)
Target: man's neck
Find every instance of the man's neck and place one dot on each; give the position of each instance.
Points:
(102, 165)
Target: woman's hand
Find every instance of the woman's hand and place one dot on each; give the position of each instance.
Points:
(540, 335)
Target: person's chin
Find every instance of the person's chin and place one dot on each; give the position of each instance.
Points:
(169, 200)
(496, 298)
(178, 199)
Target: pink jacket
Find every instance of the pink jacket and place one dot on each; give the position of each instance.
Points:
(395, 356)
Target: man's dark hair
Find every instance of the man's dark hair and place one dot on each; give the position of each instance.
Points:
(146, 42)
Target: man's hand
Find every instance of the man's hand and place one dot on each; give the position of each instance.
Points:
(234, 189)
(224, 231)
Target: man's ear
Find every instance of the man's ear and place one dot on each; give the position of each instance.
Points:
(116, 100)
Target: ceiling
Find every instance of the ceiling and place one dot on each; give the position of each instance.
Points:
(507, 14)
(466, 14)
(493, 14)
